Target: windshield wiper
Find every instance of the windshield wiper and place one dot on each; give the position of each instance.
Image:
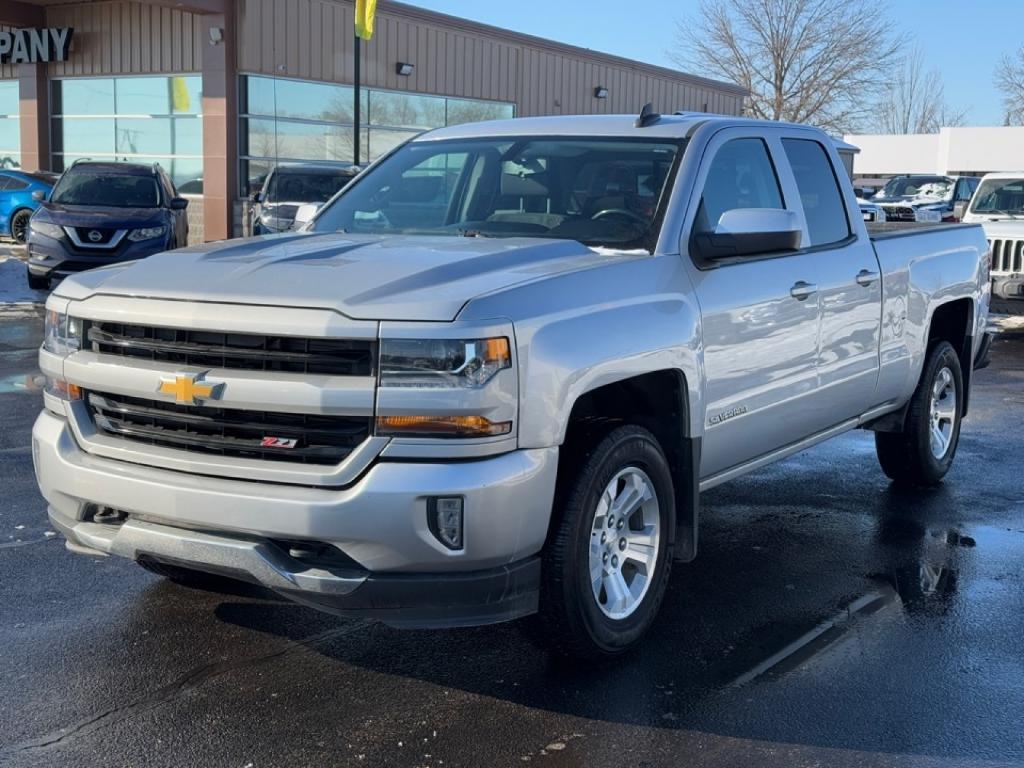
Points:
(999, 211)
(472, 233)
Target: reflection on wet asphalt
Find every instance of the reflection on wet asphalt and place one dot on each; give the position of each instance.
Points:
(830, 619)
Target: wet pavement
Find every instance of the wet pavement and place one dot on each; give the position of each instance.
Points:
(830, 620)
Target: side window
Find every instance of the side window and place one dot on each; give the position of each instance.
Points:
(15, 185)
(964, 190)
(741, 176)
(819, 191)
(4, 181)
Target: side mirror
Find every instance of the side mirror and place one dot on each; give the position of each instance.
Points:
(256, 197)
(304, 215)
(178, 204)
(960, 208)
(38, 195)
(749, 232)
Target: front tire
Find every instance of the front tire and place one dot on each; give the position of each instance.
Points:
(923, 452)
(607, 564)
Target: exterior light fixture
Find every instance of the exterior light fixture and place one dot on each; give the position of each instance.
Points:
(216, 35)
(600, 92)
(404, 68)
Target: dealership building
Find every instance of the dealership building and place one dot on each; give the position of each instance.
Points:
(217, 91)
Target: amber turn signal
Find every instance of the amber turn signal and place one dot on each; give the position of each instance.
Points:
(441, 426)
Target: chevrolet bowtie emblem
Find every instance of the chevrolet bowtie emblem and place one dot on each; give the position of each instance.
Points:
(188, 390)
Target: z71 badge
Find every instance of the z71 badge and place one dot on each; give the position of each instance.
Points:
(278, 442)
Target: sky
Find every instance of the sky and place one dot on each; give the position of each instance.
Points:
(964, 39)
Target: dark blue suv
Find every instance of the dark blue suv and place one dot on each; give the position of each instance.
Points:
(103, 213)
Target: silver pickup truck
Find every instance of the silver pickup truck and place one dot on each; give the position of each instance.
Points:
(494, 374)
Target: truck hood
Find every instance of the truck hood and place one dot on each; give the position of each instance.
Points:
(1002, 228)
(416, 278)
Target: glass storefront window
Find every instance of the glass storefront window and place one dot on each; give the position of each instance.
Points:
(136, 119)
(471, 111)
(90, 134)
(403, 110)
(10, 125)
(288, 120)
(85, 97)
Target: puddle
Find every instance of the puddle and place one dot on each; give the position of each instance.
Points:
(822, 636)
(22, 382)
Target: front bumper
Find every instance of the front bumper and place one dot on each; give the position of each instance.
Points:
(50, 257)
(1008, 293)
(400, 572)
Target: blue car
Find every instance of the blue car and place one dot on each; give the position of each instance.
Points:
(101, 213)
(16, 200)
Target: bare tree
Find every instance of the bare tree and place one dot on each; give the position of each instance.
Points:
(1010, 80)
(916, 101)
(805, 61)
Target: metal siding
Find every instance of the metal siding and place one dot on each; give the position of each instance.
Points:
(126, 38)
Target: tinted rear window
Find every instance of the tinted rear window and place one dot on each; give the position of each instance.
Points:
(819, 191)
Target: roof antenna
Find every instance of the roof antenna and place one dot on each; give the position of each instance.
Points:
(647, 116)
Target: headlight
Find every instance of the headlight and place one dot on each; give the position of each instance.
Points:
(442, 362)
(146, 233)
(61, 333)
(46, 228)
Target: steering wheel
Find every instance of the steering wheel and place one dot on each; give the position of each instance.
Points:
(619, 212)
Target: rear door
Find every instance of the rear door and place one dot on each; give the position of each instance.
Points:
(759, 314)
(849, 285)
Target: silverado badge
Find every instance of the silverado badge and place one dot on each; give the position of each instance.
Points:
(188, 390)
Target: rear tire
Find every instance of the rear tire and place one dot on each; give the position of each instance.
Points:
(604, 574)
(19, 226)
(923, 452)
(37, 283)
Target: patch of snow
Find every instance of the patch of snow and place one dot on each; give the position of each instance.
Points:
(14, 288)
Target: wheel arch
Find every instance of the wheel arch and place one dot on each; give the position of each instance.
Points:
(658, 401)
(953, 321)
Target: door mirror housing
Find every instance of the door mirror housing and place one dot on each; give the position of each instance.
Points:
(38, 195)
(256, 197)
(178, 204)
(959, 209)
(749, 232)
(304, 215)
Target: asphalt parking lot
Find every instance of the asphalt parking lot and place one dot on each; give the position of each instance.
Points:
(896, 619)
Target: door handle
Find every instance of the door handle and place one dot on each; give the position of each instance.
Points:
(866, 277)
(801, 290)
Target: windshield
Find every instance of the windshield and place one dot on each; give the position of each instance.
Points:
(106, 189)
(918, 186)
(299, 187)
(599, 191)
(999, 196)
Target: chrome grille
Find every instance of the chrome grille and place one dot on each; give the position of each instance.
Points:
(1007, 255)
(235, 351)
(228, 432)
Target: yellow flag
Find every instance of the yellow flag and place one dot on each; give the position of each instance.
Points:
(365, 11)
(179, 95)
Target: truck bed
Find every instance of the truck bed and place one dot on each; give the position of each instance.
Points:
(888, 229)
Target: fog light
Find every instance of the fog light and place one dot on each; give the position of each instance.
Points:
(444, 518)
